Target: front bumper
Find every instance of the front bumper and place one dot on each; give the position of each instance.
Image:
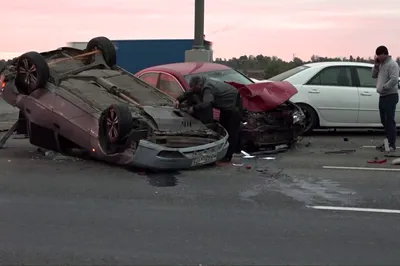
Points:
(154, 156)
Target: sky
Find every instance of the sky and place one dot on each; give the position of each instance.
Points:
(283, 28)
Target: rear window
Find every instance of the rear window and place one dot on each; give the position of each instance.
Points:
(288, 74)
(229, 75)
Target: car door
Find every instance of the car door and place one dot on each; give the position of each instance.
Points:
(369, 98)
(170, 85)
(151, 78)
(333, 94)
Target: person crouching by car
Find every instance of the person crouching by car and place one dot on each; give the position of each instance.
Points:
(208, 93)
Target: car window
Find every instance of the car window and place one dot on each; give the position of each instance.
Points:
(333, 76)
(150, 78)
(288, 74)
(365, 76)
(170, 85)
(229, 75)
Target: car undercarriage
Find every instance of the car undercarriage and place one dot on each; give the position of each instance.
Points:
(76, 99)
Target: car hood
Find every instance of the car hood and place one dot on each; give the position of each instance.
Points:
(173, 120)
(264, 96)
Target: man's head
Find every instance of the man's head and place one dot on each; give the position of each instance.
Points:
(382, 53)
(196, 83)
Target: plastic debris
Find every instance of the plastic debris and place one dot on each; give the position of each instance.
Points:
(247, 155)
(244, 153)
(269, 158)
(236, 164)
(340, 152)
(396, 161)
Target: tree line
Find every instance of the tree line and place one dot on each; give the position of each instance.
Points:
(264, 67)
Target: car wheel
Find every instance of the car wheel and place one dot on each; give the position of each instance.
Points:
(107, 48)
(115, 124)
(32, 72)
(311, 115)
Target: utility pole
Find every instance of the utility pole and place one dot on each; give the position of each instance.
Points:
(198, 53)
(198, 24)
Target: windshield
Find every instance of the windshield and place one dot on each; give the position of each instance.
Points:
(288, 74)
(224, 75)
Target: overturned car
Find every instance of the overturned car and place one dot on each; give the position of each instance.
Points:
(80, 99)
(270, 118)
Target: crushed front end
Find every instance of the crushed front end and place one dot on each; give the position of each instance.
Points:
(181, 150)
(164, 138)
(265, 130)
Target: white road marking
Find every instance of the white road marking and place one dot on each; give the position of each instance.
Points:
(354, 209)
(362, 168)
(374, 147)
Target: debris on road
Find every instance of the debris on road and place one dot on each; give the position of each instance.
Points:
(376, 160)
(392, 155)
(396, 161)
(248, 166)
(237, 164)
(247, 155)
(269, 158)
(340, 152)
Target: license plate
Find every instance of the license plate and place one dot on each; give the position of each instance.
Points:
(205, 159)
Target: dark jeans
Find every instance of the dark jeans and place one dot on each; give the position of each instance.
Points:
(231, 120)
(387, 111)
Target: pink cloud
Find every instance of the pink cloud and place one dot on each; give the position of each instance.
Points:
(281, 28)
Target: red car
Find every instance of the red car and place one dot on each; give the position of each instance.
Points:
(270, 119)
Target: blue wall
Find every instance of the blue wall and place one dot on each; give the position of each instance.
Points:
(135, 55)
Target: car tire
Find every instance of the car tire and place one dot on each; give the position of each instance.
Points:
(32, 72)
(115, 124)
(312, 120)
(106, 47)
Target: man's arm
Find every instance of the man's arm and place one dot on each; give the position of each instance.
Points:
(393, 78)
(184, 96)
(207, 101)
(375, 71)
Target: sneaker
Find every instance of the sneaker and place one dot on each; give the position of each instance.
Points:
(392, 149)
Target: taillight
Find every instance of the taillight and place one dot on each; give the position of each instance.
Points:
(3, 83)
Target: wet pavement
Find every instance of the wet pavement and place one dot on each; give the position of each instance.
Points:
(59, 210)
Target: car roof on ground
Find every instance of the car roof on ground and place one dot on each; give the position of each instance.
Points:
(187, 68)
(338, 63)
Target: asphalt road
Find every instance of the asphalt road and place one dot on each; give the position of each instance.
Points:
(61, 210)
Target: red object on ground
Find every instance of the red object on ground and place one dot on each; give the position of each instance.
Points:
(248, 166)
(261, 97)
(377, 161)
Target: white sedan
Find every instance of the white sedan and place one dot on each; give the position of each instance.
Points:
(336, 94)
